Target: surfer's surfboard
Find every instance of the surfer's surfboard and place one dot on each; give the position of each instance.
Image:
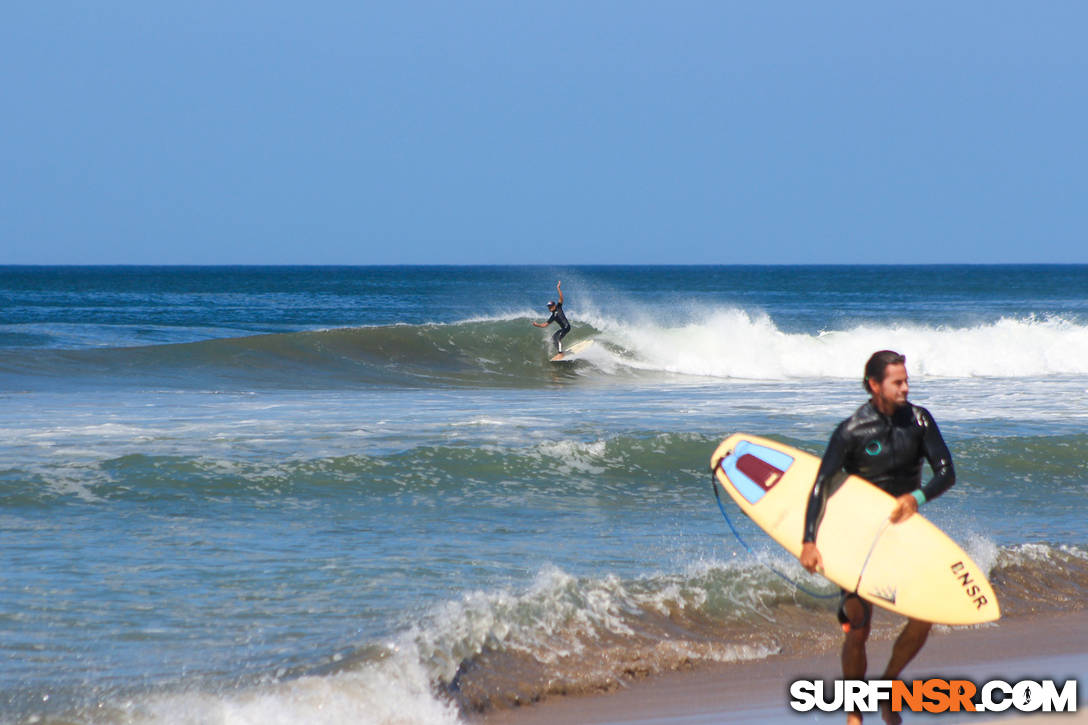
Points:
(911, 567)
(572, 352)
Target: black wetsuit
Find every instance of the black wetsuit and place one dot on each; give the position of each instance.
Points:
(887, 451)
(564, 326)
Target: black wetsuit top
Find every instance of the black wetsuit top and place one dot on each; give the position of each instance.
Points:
(886, 451)
(559, 317)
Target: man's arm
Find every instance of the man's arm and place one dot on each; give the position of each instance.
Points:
(834, 457)
(940, 460)
(546, 322)
(939, 457)
(559, 290)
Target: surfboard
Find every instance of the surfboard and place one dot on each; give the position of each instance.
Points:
(911, 567)
(572, 352)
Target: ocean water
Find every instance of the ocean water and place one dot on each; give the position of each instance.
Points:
(363, 495)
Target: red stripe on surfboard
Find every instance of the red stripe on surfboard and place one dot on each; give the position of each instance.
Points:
(762, 473)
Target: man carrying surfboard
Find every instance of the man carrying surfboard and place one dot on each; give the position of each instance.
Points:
(556, 308)
(884, 442)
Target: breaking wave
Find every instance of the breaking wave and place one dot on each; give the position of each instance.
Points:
(722, 343)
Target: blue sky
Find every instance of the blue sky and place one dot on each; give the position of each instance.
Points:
(543, 132)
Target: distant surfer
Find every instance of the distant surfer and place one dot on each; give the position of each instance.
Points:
(556, 308)
(884, 442)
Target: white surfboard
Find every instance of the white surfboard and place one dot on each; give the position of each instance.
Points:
(911, 567)
(572, 352)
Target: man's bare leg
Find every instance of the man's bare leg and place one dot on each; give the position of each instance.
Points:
(906, 646)
(854, 659)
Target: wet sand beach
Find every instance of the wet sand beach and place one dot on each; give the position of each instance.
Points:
(1054, 646)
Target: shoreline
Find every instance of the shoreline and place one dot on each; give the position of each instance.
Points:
(1048, 646)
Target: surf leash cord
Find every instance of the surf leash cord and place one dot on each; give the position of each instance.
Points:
(789, 580)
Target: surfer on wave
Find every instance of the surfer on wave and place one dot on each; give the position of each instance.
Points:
(884, 442)
(556, 308)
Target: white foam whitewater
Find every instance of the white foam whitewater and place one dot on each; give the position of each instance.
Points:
(735, 343)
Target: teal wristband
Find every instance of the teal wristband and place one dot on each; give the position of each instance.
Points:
(919, 496)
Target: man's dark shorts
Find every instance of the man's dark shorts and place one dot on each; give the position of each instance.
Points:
(843, 619)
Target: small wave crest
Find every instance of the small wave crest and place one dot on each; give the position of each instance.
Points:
(568, 634)
(448, 469)
(565, 634)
